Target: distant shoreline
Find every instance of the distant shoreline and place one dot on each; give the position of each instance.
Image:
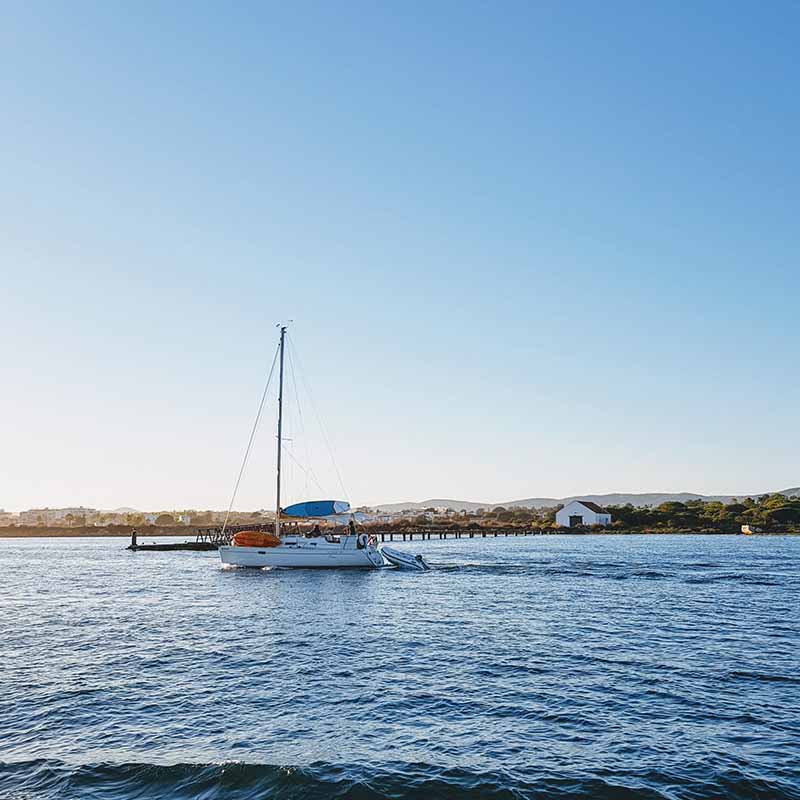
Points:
(150, 532)
(110, 531)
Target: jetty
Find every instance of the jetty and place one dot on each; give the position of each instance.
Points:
(216, 537)
(168, 546)
(165, 547)
(213, 538)
(427, 534)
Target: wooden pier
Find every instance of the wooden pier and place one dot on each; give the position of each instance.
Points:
(166, 547)
(442, 534)
(386, 534)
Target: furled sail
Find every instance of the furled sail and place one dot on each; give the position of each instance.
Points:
(315, 508)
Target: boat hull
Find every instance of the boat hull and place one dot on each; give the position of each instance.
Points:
(304, 553)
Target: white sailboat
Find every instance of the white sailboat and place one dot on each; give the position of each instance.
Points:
(294, 549)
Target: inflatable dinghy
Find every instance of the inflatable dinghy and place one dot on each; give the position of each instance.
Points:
(404, 560)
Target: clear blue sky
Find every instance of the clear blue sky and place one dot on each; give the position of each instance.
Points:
(529, 248)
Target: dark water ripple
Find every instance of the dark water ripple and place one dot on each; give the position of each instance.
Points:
(558, 667)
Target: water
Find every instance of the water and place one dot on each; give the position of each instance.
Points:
(542, 667)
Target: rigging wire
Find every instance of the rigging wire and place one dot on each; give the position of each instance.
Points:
(308, 472)
(302, 428)
(250, 440)
(319, 418)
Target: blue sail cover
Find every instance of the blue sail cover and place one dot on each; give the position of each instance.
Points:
(316, 508)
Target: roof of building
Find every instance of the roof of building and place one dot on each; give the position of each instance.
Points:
(593, 506)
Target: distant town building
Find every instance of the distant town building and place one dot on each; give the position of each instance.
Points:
(184, 519)
(34, 516)
(54, 516)
(582, 512)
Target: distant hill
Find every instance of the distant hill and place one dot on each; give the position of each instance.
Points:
(458, 505)
(615, 499)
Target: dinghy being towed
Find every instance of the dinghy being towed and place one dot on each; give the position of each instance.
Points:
(404, 560)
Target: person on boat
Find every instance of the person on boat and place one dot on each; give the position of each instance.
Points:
(362, 540)
(315, 531)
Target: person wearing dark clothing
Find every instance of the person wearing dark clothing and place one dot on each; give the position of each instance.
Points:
(315, 531)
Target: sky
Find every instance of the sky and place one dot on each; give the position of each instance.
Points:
(528, 249)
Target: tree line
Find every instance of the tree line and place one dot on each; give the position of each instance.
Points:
(767, 512)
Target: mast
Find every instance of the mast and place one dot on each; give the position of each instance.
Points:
(280, 426)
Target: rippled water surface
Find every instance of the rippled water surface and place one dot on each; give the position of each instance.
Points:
(546, 667)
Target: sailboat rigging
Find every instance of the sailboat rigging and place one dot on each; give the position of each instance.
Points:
(298, 549)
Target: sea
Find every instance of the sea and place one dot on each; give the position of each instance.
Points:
(603, 666)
